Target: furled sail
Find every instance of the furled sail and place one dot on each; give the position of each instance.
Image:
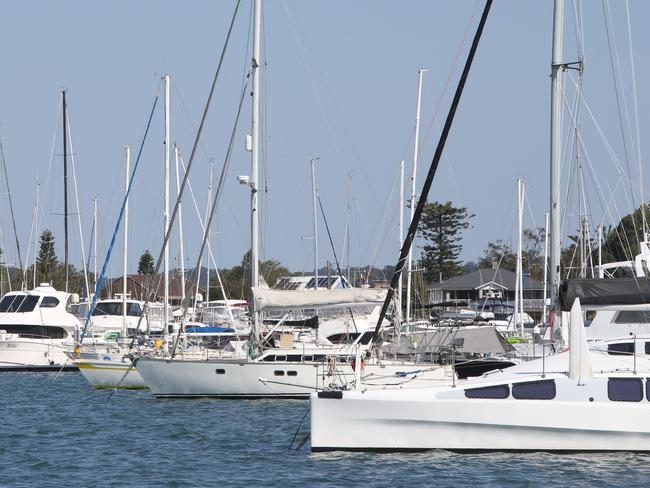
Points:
(599, 293)
(266, 299)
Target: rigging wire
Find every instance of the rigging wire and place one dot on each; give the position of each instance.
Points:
(189, 166)
(76, 194)
(214, 204)
(11, 205)
(100, 281)
(636, 121)
(613, 54)
(432, 171)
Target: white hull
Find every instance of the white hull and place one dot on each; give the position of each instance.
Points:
(250, 379)
(376, 421)
(582, 400)
(239, 379)
(110, 374)
(33, 354)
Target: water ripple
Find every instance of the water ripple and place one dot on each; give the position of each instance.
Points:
(60, 432)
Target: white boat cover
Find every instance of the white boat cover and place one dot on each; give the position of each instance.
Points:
(268, 299)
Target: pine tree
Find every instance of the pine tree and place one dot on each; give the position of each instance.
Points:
(441, 226)
(145, 265)
(46, 260)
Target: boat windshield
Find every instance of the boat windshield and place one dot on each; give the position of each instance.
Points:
(18, 303)
(115, 308)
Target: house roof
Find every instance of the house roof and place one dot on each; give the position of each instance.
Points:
(476, 279)
(137, 285)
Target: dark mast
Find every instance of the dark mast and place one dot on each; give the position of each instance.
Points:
(65, 190)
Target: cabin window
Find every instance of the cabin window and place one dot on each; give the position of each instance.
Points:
(308, 358)
(625, 389)
(6, 302)
(49, 302)
(270, 358)
(620, 349)
(108, 308)
(632, 317)
(38, 331)
(133, 309)
(534, 390)
(280, 358)
(294, 357)
(292, 373)
(278, 372)
(220, 371)
(498, 391)
(28, 304)
(647, 347)
(18, 303)
(319, 357)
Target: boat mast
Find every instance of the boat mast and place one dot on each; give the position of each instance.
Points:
(180, 224)
(255, 67)
(519, 289)
(416, 147)
(556, 149)
(398, 307)
(545, 268)
(349, 223)
(96, 237)
(65, 190)
(413, 226)
(315, 217)
(36, 209)
(207, 233)
(127, 176)
(166, 197)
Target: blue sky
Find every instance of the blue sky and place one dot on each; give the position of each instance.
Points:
(340, 82)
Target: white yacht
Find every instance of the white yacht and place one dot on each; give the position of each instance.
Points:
(293, 368)
(36, 329)
(593, 397)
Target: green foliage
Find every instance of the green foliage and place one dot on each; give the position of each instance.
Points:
(237, 280)
(440, 227)
(622, 242)
(500, 254)
(46, 262)
(146, 264)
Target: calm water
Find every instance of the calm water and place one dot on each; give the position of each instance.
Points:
(60, 432)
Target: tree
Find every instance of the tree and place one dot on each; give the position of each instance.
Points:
(46, 262)
(498, 254)
(145, 265)
(440, 227)
(237, 280)
(622, 242)
(532, 253)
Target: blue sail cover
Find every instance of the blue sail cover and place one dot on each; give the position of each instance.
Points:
(208, 330)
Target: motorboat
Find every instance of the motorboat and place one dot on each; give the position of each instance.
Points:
(36, 328)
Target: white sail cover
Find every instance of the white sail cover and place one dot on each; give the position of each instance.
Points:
(266, 298)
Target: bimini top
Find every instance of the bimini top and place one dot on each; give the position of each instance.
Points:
(267, 299)
(599, 293)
